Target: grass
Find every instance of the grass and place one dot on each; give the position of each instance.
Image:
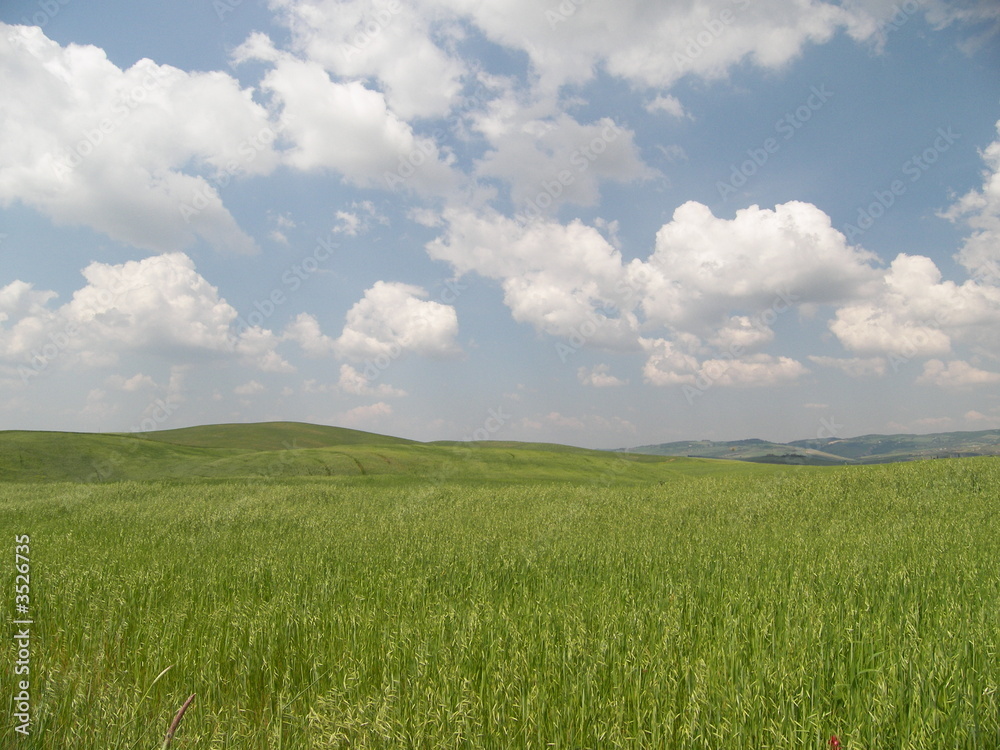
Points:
(688, 607)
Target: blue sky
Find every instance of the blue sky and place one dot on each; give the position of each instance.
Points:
(603, 224)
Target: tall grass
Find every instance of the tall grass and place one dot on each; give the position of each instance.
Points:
(707, 612)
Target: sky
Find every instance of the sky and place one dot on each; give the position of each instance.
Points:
(598, 223)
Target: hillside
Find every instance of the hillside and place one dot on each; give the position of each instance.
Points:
(289, 450)
(269, 436)
(865, 449)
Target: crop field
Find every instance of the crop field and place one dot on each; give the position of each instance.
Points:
(756, 608)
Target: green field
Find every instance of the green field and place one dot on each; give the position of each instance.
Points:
(587, 600)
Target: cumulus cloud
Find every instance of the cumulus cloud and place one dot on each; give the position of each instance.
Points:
(87, 143)
(359, 383)
(560, 279)
(555, 160)
(251, 388)
(653, 45)
(387, 40)
(160, 305)
(366, 416)
(980, 211)
(599, 376)
(667, 364)
(393, 318)
(711, 286)
(667, 104)
(955, 374)
(705, 267)
(135, 383)
(305, 331)
(344, 126)
(915, 313)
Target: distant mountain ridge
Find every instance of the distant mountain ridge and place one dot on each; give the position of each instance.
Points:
(864, 449)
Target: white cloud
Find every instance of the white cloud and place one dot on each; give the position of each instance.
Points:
(87, 143)
(855, 367)
(358, 220)
(359, 383)
(388, 40)
(366, 416)
(250, 388)
(557, 160)
(135, 383)
(667, 104)
(599, 376)
(345, 127)
(955, 374)
(393, 318)
(653, 44)
(980, 211)
(668, 365)
(306, 332)
(915, 313)
(557, 278)
(160, 306)
(982, 421)
(755, 371)
(704, 267)
(570, 281)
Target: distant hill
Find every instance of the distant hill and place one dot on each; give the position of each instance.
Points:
(289, 449)
(866, 449)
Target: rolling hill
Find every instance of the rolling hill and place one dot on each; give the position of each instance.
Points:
(288, 450)
(866, 449)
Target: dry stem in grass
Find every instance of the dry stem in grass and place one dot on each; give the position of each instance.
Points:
(176, 722)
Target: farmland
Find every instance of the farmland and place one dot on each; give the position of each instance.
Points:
(575, 604)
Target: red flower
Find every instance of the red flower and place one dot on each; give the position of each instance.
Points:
(834, 743)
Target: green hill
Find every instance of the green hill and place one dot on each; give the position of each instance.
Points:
(866, 449)
(288, 449)
(760, 451)
(270, 436)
